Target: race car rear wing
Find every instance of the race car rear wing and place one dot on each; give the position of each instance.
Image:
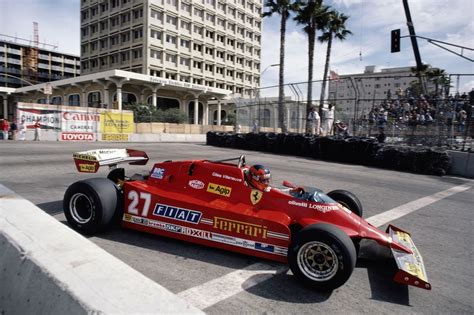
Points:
(411, 269)
(90, 161)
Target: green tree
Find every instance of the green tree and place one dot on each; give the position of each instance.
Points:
(335, 28)
(284, 9)
(313, 15)
(437, 77)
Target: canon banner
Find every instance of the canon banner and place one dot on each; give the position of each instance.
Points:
(76, 123)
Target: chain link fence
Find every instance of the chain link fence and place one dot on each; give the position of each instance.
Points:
(393, 108)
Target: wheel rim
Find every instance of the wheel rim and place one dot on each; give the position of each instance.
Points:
(81, 208)
(317, 261)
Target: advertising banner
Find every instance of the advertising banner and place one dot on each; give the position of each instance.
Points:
(116, 122)
(48, 119)
(78, 124)
(75, 121)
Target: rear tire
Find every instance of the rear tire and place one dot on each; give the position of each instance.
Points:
(322, 256)
(89, 205)
(348, 200)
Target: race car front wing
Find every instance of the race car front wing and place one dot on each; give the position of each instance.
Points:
(411, 268)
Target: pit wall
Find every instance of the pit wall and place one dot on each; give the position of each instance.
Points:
(62, 272)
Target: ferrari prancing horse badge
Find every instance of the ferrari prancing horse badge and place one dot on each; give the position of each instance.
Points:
(255, 196)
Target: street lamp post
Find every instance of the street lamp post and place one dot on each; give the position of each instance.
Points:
(18, 78)
(258, 92)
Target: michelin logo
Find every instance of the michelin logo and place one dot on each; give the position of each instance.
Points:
(176, 213)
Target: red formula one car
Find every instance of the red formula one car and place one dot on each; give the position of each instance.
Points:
(211, 203)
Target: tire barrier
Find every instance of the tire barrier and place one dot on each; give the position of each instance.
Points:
(352, 150)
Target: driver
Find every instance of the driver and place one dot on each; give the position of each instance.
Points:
(258, 176)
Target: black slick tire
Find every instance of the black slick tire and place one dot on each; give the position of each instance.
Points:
(89, 205)
(348, 200)
(322, 257)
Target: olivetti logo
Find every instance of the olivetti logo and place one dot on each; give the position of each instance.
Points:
(219, 189)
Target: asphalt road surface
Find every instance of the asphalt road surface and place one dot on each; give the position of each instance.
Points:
(221, 282)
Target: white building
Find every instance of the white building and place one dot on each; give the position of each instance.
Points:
(369, 88)
(213, 43)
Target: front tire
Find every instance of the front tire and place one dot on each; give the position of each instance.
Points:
(348, 200)
(89, 205)
(322, 257)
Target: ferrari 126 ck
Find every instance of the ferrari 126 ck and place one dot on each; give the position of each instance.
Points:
(232, 207)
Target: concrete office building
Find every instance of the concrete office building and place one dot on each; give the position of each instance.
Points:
(20, 65)
(213, 43)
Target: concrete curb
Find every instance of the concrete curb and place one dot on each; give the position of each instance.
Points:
(462, 163)
(47, 268)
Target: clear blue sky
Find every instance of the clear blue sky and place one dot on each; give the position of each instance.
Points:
(370, 21)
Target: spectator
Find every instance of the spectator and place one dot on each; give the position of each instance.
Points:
(14, 129)
(37, 129)
(328, 115)
(381, 136)
(5, 128)
(255, 126)
(340, 128)
(462, 121)
(314, 121)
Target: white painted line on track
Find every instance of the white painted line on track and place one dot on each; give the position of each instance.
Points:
(398, 212)
(219, 289)
(214, 291)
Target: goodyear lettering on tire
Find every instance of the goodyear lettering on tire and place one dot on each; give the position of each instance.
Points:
(219, 189)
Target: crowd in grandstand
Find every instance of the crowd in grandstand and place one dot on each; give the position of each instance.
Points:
(452, 111)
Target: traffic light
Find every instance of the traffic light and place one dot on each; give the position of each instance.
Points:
(395, 41)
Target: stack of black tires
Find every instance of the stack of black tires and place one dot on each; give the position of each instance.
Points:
(354, 150)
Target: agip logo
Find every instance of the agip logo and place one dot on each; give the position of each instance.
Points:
(219, 189)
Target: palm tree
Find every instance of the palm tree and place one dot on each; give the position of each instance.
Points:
(312, 16)
(437, 76)
(284, 9)
(335, 28)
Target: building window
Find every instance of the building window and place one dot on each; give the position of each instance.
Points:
(171, 58)
(137, 33)
(137, 53)
(74, 100)
(124, 56)
(156, 34)
(172, 20)
(221, 6)
(157, 15)
(184, 61)
(185, 43)
(186, 25)
(210, 17)
(185, 7)
(171, 39)
(138, 14)
(156, 54)
(57, 100)
(94, 99)
(209, 34)
(199, 13)
(198, 30)
(197, 47)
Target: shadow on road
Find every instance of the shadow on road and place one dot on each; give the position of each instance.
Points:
(52, 208)
(376, 259)
(381, 268)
